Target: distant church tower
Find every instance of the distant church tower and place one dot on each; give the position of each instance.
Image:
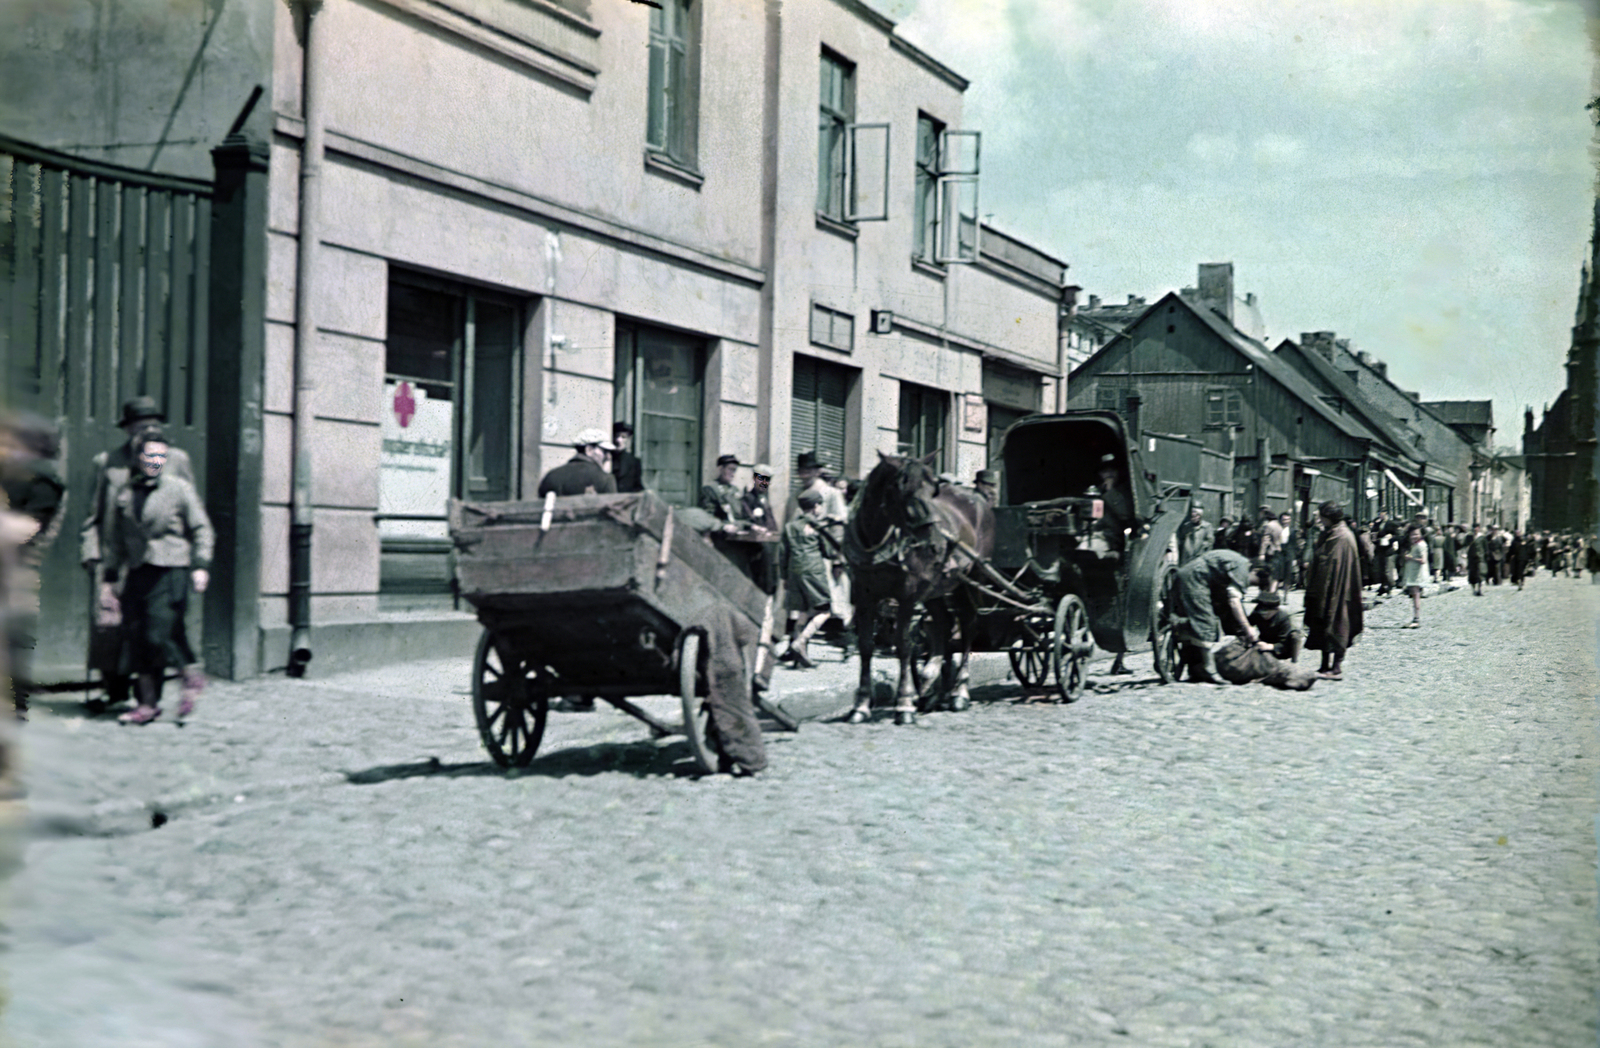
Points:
(1563, 464)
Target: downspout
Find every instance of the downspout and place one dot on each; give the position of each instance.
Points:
(305, 329)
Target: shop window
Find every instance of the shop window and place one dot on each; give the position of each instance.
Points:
(451, 393)
(660, 389)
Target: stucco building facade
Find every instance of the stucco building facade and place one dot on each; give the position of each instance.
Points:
(459, 232)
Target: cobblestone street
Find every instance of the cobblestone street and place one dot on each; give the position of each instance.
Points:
(1405, 857)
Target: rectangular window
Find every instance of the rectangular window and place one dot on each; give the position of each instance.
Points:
(1107, 398)
(927, 201)
(924, 415)
(451, 389)
(831, 328)
(945, 227)
(838, 112)
(1224, 408)
(660, 390)
(672, 127)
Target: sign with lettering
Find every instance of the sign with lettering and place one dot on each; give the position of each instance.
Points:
(414, 468)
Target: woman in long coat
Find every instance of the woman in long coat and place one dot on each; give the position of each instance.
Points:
(1333, 613)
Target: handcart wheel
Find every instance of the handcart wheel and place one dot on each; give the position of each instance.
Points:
(510, 699)
(1030, 654)
(696, 712)
(1163, 636)
(1070, 646)
(926, 657)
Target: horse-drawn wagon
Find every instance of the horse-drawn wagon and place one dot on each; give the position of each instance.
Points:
(611, 596)
(1075, 557)
(1105, 577)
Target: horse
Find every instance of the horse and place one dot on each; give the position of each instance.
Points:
(904, 542)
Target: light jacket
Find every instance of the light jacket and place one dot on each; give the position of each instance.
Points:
(161, 524)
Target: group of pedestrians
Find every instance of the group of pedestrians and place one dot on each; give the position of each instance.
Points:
(1335, 561)
(145, 541)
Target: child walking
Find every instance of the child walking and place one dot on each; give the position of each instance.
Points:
(1413, 567)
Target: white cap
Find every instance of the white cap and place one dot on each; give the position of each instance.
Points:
(593, 435)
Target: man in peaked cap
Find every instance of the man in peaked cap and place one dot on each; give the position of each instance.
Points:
(584, 473)
(1275, 627)
(111, 470)
(721, 498)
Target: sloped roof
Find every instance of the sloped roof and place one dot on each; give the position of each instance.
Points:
(1253, 351)
(1373, 415)
(1462, 412)
(1283, 374)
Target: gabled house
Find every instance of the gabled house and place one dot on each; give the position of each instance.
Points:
(1183, 368)
(1359, 384)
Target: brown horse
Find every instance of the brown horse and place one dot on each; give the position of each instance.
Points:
(903, 543)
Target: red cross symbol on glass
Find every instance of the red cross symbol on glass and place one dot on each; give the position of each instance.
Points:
(405, 405)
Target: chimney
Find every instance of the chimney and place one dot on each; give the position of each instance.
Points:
(1527, 420)
(1380, 367)
(1250, 298)
(1094, 301)
(1216, 287)
(1135, 300)
(1363, 356)
(1320, 342)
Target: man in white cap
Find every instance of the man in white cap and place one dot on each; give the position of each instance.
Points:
(584, 473)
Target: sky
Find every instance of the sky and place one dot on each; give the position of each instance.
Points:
(1415, 175)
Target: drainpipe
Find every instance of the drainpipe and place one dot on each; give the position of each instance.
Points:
(305, 330)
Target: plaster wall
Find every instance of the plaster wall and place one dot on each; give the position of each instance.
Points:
(150, 84)
(869, 265)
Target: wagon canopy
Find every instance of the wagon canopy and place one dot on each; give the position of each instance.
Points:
(1057, 456)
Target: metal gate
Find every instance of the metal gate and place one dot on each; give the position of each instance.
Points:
(103, 296)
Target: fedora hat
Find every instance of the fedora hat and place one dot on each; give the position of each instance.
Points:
(727, 460)
(1268, 600)
(137, 409)
(809, 460)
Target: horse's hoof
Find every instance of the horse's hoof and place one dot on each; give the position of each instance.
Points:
(856, 717)
(904, 717)
(959, 703)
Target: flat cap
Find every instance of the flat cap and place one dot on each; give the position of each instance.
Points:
(593, 435)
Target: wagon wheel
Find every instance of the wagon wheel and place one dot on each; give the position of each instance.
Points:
(926, 658)
(1030, 653)
(1070, 646)
(692, 690)
(510, 699)
(1163, 636)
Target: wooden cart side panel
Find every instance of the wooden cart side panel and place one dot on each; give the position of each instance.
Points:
(594, 540)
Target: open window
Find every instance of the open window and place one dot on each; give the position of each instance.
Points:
(956, 195)
(867, 173)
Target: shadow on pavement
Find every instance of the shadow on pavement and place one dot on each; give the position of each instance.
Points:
(639, 759)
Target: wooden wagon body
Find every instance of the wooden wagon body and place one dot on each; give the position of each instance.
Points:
(592, 595)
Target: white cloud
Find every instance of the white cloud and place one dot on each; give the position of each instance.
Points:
(1220, 150)
(1285, 150)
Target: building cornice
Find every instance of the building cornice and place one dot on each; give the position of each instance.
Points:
(393, 161)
